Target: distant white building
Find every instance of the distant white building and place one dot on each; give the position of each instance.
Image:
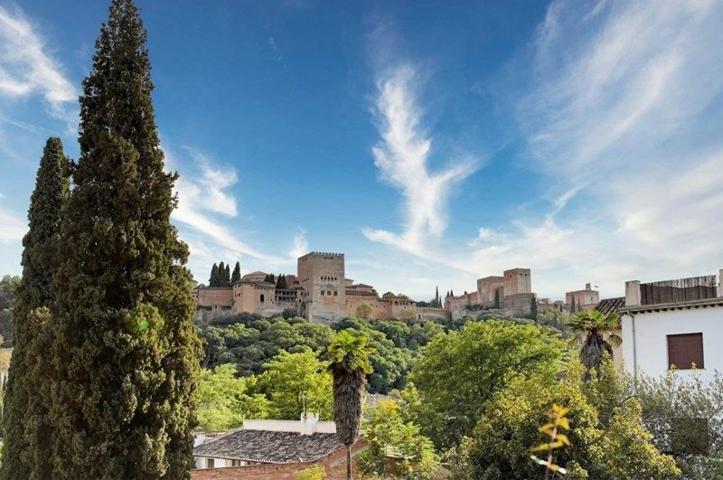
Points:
(673, 323)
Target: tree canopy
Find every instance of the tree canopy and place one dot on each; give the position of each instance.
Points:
(297, 383)
(607, 438)
(225, 401)
(458, 372)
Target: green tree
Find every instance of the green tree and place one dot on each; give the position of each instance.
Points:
(600, 336)
(390, 364)
(458, 372)
(24, 413)
(213, 280)
(8, 288)
(573, 309)
(364, 310)
(297, 383)
(281, 282)
(225, 401)
(349, 365)
(125, 347)
(613, 446)
(684, 417)
(222, 275)
(390, 435)
(236, 275)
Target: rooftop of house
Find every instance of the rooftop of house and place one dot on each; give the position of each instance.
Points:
(610, 305)
(264, 446)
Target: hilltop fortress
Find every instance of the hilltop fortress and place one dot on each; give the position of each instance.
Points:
(321, 292)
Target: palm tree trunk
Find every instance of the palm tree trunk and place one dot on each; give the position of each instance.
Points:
(348, 463)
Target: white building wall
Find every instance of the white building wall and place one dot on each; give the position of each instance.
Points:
(647, 347)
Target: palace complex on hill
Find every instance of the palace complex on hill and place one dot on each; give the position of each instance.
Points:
(321, 292)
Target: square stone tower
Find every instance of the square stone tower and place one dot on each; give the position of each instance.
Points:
(517, 280)
(322, 275)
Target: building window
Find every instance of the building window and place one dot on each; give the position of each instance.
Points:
(210, 463)
(685, 351)
(328, 292)
(261, 298)
(335, 293)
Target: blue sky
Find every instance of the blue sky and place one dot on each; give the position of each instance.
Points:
(432, 143)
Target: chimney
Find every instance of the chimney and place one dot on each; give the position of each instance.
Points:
(588, 286)
(632, 293)
(308, 423)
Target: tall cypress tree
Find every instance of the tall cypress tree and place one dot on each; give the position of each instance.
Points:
(213, 279)
(227, 276)
(236, 275)
(124, 392)
(221, 275)
(21, 408)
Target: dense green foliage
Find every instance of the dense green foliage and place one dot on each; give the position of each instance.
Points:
(608, 441)
(390, 362)
(297, 383)
(685, 417)
(390, 434)
(225, 400)
(8, 287)
(249, 341)
(24, 424)
(458, 372)
(124, 349)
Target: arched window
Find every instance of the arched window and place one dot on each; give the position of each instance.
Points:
(262, 298)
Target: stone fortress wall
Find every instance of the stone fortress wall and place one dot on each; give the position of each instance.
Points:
(319, 292)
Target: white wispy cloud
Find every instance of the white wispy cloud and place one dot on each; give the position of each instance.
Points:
(12, 226)
(205, 204)
(624, 107)
(402, 158)
(299, 245)
(621, 112)
(27, 68)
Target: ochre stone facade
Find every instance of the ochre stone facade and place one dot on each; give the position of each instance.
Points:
(319, 291)
(510, 293)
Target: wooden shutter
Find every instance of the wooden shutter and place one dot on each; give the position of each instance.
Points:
(685, 350)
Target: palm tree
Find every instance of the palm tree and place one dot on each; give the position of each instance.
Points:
(349, 365)
(595, 327)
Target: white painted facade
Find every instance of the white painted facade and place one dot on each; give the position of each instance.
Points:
(646, 327)
(645, 345)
